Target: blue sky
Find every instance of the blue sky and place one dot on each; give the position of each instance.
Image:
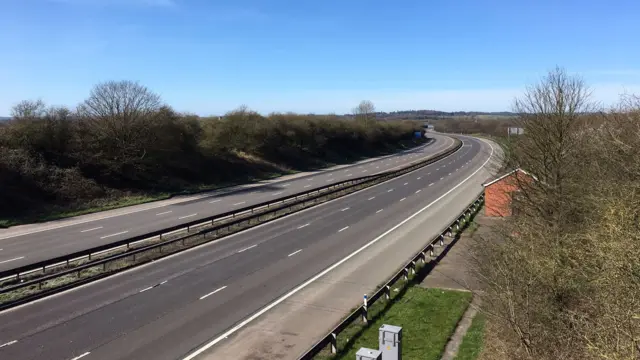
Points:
(208, 57)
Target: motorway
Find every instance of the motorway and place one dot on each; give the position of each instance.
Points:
(31, 247)
(168, 308)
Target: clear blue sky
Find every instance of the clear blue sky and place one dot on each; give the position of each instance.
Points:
(208, 56)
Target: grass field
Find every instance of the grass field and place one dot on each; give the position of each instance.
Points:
(428, 318)
(473, 340)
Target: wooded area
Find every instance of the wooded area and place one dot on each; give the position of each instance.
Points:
(123, 140)
(562, 279)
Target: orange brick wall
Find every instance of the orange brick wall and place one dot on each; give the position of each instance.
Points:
(497, 196)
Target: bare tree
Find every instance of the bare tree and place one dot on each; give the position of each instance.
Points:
(365, 112)
(29, 109)
(554, 115)
(558, 281)
(118, 115)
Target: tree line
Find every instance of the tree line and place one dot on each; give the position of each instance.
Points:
(561, 280)
(123, 140)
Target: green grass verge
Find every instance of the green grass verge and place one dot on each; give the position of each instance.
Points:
(473, 340)
(428, 318)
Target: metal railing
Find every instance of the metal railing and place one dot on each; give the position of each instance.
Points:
(408, 269)
(63, 266)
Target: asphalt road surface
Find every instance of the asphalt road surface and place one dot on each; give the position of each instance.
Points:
(168, 308)
(42, 245)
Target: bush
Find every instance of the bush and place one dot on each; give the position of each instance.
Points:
(123, 139)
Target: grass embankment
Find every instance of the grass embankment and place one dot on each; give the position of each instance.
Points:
(473, 340)
(56, 163)
(428, 318)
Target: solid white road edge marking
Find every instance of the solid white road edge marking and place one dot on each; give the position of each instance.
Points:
(14, 259)
(163, 213)
(81, 356)
(343, 229)
(293, 253)
(9, 343)
(116, 234)
(307, 186)
(213, 292)
(164, 282)
(214, 201)
(305, 225)
(187, 216)
(247, 248)
(327, 270)
(240, 203)
(277, 193)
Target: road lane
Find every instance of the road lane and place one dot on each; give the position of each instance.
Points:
(31, 248)
(112, 319)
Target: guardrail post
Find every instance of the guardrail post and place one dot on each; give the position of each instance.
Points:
(412, 269)
(334, 343)
(441, 240)
(449, 232)
(89, 257)
(423, 257)
(387, 292)
(431, 252)
(405, 274)
(364, 309)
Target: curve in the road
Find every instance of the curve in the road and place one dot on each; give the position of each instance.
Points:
(30, 248)
(166, 309)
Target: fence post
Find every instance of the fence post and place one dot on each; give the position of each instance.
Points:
(364, 309)
(334, 343)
